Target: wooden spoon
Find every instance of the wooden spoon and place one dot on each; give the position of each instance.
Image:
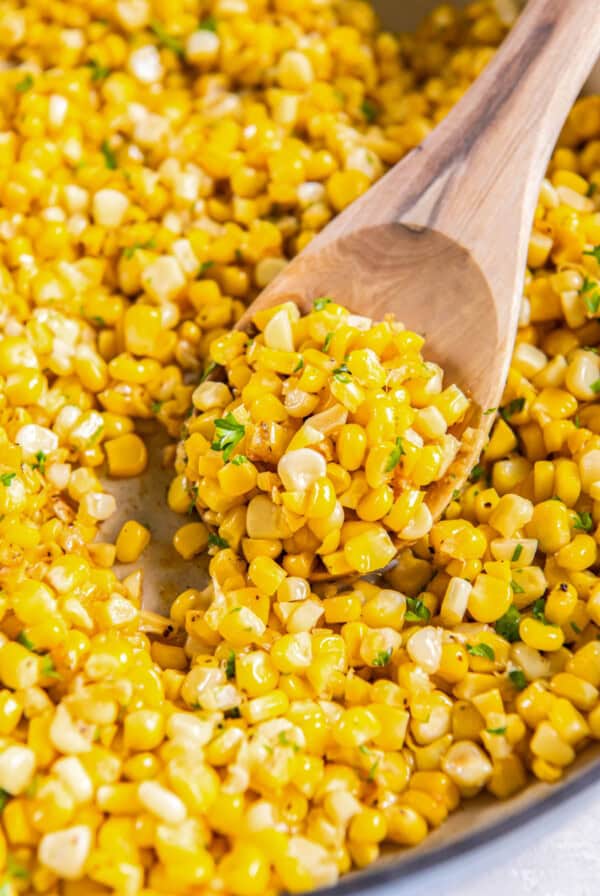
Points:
(441, 240)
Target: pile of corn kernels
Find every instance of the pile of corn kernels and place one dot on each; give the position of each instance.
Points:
(326, 445)
(159, 162)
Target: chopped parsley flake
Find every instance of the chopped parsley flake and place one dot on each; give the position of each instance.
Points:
(239, 459)
(595, 252)
(517, 589)
(584, 521)
(395, 455)
(508, 625)
(517, 553)
(575, 628)
(99, 72)
(16, 871)
(95, 436)
(230, 665)
(48, 669)
(299, 365)
(342, 373)
(416, 610)
(319, 304)
(129, 251)
(210, 369)
(24, 640)
(216, 541)
(538, 610)
(518, 680)
(167, 40)
(477, 473)
(513, 407)
(156, 406)
(383, 657)
(591, 295)
(327, 342)
(193, 493)
(496, 730)
(595, 387)
(40, 462)
(7, 478)
(228, 433)
(482, 650)
(370, 110)
(204, 267)
(286, 742)
(208, 24)
(110, 158)
(24, 85)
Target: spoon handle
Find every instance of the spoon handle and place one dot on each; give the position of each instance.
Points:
(477, 177)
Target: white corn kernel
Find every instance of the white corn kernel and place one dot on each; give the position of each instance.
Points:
(98, 505)
(65, 852)
(419, 525)
(299, 469)
(183, 726)
(528, 359)
(293, 589)
(278, 332)
(582, 373)
(145, 64)
(163, 280)
(109, 207)
(429, 423)
(467, 765)
(17, 766)
(202, 47)
(70, 736)
(162, 803)
(133, 14)
(455, 602)
(425, 648)
(75, 778)
(211, 395)
(34, 438)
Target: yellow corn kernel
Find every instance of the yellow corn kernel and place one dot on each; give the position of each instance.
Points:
(489, 598)
(266, 574)
(581, 693)
(370, 550)
(536, 634)
(126, 455)
(547, 744)
(190, 540)
(131, 541)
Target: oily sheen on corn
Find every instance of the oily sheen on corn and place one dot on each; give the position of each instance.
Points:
(158, 165)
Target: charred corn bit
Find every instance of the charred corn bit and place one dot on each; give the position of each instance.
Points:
(159, 163)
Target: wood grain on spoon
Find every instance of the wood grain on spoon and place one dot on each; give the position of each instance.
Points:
(441, 241)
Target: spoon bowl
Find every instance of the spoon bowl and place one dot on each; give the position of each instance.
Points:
(388, 270)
